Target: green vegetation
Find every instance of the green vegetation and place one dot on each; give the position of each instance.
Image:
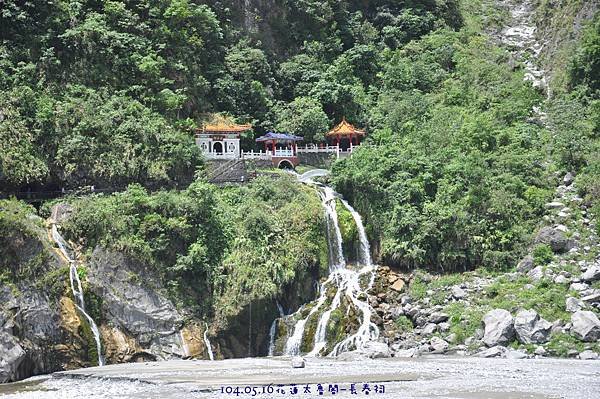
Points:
(216, 250)
(464, 320)
(456, 179)
(23, 252)
(104, 93)
(544, 296)
(462, 170)
(542, 254)
(347, 229)
(404, 324)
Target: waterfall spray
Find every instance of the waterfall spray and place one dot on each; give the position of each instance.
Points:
(346, 281)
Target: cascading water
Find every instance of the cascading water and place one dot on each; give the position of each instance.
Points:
(186, 351)
(208, 345)
(76, 289)
(273, 330)
(346, 281)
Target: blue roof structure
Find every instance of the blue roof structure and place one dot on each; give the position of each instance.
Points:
(279, 136)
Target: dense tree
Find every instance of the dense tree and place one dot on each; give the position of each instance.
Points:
(303, 117)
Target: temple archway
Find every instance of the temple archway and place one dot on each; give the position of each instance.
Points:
(285, 164)
(218, 147)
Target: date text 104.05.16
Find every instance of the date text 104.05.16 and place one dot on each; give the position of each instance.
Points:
(299, 389)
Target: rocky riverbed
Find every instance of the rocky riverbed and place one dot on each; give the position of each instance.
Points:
(428, 377)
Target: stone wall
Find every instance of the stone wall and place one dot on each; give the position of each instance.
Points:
(317, 159)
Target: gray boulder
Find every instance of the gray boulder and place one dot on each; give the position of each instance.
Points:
(579, 286)
(592, 298)
(568, 179)
(560, 279)
(591, 274)
(572, 304)
(540, 351)
(525, 265)
(298, 362)
(516, 354)
(12, 356)
(494, 351)
(536, 274)
(405, 353)
(555, 238)
(458, 293)
(438, 317)
(586, 325)
(429, 329)
(588, 355)
(376, 350)
(498, 325)
(530, 328)
(438, 345)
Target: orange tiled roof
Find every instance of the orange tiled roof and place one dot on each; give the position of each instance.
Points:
(223, 127)
(345, 129)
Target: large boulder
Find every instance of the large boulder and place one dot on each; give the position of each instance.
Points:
(498, 326)
(458, 292)
(298, 362)
(438, 317)
(494, 351)
(12, 357)
(530, 328)
(588, 355)
(591, 274)
(526, 264)
(438, 345)
(557, 239)
(586, 325)
(536, 274)
(398, 285)
(572, 304)
(376, 350)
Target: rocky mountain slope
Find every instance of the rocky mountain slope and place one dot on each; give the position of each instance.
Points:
(548, 306)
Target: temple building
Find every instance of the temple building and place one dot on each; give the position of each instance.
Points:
(220, 140)
(282, 148)
(345, 136)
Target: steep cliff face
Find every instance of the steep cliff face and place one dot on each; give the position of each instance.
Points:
(559, 27)
(40, 331)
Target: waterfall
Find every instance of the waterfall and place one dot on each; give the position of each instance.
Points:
(272, 333)
(334, 234)
(207, 344)
(184, 346)
(365, 248)
(345, 280)
(76, 289)
(273, 330)
(293, 344)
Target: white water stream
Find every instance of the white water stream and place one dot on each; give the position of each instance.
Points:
(273, 330)
(77, 289)
(211, 356)
(345, 280)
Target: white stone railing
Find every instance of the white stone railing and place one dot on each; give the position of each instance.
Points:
(313, 148)
(256, 154)
(220, 155)
(284, 153)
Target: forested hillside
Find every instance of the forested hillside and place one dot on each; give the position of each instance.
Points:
(104, 92)
(462, 157)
